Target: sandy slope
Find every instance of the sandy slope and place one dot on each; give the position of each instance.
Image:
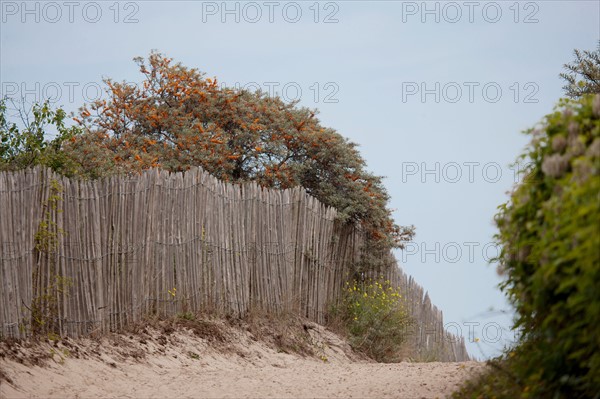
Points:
(181, 364)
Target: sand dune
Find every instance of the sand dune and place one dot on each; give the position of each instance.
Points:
(182, 363)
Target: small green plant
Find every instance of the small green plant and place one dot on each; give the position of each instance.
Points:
(48, 285)
(52, 336)
(376, 318)
(62, 354)
(186, 316)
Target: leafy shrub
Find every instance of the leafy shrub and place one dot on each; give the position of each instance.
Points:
(550, 238)
(376, 319)
(28, 145)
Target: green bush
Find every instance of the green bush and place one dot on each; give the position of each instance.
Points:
(29, 145)
(549, 232)
(376, 319)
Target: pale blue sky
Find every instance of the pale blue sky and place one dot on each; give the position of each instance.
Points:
(373, 63)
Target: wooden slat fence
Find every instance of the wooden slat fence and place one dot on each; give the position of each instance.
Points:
(98, 255)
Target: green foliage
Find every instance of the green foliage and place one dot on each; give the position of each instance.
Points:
(28, 146)
(550, 238)
(376, 319)
(583, 75)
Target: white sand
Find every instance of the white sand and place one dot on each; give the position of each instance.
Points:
(185, 366)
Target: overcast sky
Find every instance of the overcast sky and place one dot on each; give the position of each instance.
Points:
(435, 93)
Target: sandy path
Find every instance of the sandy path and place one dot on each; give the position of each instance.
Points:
(184, 366)
(301, 379)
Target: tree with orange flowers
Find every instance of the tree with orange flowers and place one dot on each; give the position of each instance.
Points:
(178, 118)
